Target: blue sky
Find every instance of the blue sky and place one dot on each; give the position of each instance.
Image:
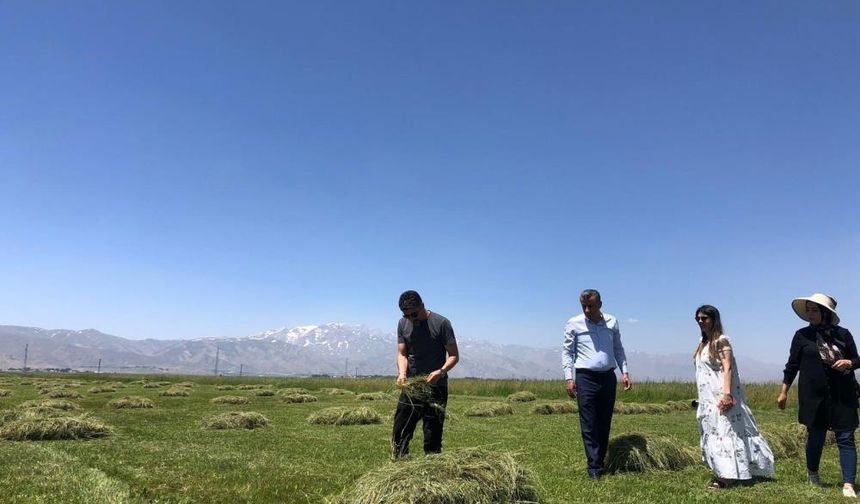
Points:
(188, 169)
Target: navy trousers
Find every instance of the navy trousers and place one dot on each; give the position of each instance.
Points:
(595, 393)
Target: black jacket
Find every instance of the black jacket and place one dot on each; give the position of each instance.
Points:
(827, 398)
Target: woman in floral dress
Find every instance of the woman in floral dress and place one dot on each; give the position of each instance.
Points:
(731, 444)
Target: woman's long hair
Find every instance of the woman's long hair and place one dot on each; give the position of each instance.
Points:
(709, 338)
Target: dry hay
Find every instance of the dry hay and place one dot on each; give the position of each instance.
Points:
(490, 409)
(53, 428)
(556, 408)
(115, 384)
(229, 399)
(175, 392)
(186, 384)
(5, 393)
(63, 394)
(152, 385)
(263, 392)
(680, 405)
(374, 396)
(522, 396)
(638, 452)
(293, 390)
(237, 420)
(790, 440)
(465, 476)
(345, 416)
(138, 382)
(100, 389)
(46, 404)
(131, 402)
(298, 398)
(25, 382)
(416, 388)
(336, 391)
(253, 386)
(225, 387)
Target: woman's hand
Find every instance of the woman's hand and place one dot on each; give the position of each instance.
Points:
(726, 403)
(781, 400)
(842, 365)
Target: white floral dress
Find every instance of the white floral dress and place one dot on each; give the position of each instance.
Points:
(731, 443)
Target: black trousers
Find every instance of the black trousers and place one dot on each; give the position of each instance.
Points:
(430, 411)
(595, 393)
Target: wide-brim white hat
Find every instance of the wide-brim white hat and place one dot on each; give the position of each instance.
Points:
(822, 300)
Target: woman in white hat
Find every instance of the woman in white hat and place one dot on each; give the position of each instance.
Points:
(825, 355)
(731, 444)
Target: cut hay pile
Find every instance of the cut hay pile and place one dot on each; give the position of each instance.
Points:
(490, 409)
(101, 389)
(25, 382)
(263, 392)
(63, 394)
(237, 420)
(293, 390)
(5, 393)
(467, 476)
(130, 402)
(374, 396)
(638, 452)
(556, 408)
(680, 405)
(175, 392)
(790, 440)
(53, 428)
(298, 398)
(45, 404)
(225, 387)
(152, 385)
(252, 386)
(345, 416)
(186, 384)
(522, 396)
(336, 391)
(230, 399)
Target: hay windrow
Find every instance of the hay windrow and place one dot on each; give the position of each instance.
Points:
(790, 440)
(186, 384)
(252, 386)
(345, 416)
(230, 399)
(225, 387)
(263, 392)
(298, 398)
(152, 385)
(556, 408)
(335, 391)
(522, 396)
(131, 402)
(237, 420)
(63, 394)
(5, 393)
(61, 427)
(466, 476)
(293, 390)
(101, 389)
(175, 392)
(490, 409)
(374, 396)
(57, 404)
(638, 452)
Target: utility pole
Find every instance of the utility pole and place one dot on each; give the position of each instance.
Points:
(356, 371)
(26, 348)
(240, 369)
(346, 369)
(217, 355)
(99, 370)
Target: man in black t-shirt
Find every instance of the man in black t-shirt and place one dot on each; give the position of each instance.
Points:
(425, 346)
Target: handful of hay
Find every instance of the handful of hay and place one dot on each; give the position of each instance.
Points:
(345, 416)
(467, 476)
(637, 452)
(52, 428)
(566, 407)
(230, 399)
(131, 402)
(237, 420)
(298, 398)
(489, 409)
(522, 396)
(417, 388)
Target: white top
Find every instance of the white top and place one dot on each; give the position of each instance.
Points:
(595, 346)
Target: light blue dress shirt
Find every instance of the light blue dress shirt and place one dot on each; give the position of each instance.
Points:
(594, 346)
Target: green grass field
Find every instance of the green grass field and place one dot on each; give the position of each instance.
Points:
(165, 454)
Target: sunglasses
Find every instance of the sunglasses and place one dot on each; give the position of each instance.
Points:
(702, 318)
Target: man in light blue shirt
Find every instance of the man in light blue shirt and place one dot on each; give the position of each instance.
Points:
(592, 350)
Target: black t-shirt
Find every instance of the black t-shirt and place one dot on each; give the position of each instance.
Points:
(425, 342)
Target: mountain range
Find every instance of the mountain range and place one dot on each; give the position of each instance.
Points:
(329, 349)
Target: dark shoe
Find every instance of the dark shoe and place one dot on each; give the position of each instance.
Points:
(594, 476)
(814, 479)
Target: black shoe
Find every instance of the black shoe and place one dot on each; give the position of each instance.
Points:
(594, 476)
